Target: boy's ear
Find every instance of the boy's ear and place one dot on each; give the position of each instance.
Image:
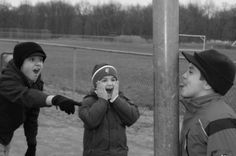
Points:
(206, 85)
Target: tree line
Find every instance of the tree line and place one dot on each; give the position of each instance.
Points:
(83, 18)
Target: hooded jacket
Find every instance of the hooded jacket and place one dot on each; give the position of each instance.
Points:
(209, 127)
(17, 96)
(105, 125)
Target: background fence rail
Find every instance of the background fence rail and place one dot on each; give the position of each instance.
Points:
(69, 66)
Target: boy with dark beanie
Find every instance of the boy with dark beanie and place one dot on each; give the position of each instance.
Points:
(209, 126)
(106, 113)
(21, 96)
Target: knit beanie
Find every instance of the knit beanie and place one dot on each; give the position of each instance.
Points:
(26, 49)
(101, 70)
(217, 68)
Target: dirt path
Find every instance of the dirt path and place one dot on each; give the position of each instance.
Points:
(61, 135)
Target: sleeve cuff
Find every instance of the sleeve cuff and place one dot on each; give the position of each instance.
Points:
(112, 100)
(49, 100)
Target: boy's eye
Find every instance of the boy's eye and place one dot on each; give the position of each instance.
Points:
(113, 79)
(190, 71)
(103, 80)
(31, 59)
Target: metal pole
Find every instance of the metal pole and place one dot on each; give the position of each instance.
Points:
(166, 90)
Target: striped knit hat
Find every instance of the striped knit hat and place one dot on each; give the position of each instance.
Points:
(101, 70)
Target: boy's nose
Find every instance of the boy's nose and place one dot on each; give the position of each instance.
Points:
(110, 82)
(184, 75)
(40, 63)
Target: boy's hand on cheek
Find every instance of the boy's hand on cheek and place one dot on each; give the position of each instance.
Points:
(115, 92)
(101, 91)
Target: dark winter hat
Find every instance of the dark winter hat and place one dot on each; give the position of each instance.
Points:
(101, 70)
(217, 68)
(26, 49)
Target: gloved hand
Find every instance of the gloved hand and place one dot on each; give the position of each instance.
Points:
(101, 90)
(65, 104)
(31, 150)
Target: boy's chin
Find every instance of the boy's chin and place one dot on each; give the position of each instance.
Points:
(183, 95)
(109, 96)
(33, 78)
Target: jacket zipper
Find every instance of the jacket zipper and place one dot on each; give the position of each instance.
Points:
(109, 132)
(186, 140)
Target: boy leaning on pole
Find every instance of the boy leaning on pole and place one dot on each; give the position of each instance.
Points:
(209, 126)
(21, 96)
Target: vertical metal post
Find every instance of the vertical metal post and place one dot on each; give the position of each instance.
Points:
(74, 72)
(166, 87)
(204, 42)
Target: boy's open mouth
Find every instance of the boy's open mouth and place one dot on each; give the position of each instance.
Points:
(109, 90)
(36, 71)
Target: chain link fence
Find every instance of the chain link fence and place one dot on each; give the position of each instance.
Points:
(69, 65)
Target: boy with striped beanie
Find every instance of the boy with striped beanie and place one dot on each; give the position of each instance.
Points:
(106, 113)
(105, 70)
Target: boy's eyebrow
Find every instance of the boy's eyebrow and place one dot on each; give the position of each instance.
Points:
(191, 66)
(103, 78)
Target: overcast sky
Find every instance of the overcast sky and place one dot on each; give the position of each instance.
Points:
(219, 3)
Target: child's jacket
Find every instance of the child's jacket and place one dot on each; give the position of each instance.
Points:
(209, 127)
(17, 96)
(105, 125)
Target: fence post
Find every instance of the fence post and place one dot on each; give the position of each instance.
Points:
(74, 71)
(165, 62)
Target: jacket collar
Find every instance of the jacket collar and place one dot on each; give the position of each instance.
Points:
(193, 104)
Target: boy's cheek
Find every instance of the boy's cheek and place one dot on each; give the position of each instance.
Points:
(99, 85)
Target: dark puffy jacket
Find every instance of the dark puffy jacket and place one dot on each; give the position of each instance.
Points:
(105, 125)
(17, 96)
(209, 127)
